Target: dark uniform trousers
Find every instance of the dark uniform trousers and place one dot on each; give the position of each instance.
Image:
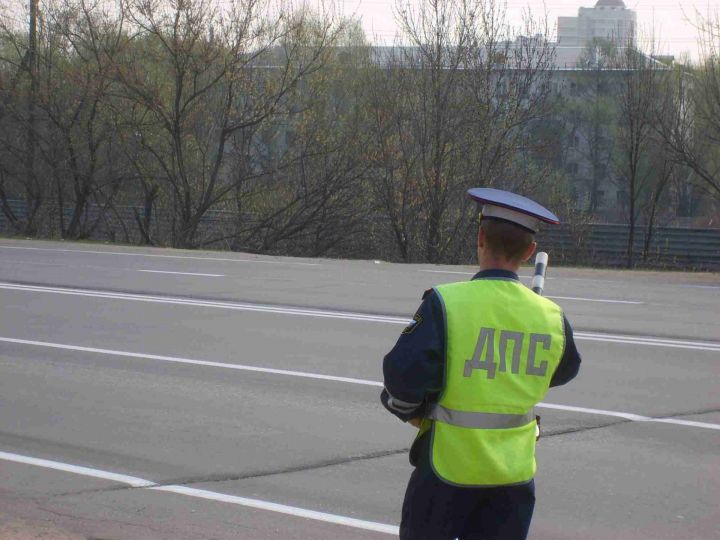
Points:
(434, 510)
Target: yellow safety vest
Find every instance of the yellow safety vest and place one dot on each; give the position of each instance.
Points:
(503, 344)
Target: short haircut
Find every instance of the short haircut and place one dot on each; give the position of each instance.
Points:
(506, 239)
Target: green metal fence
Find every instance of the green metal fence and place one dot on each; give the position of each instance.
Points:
(587, 244)
(607, 245)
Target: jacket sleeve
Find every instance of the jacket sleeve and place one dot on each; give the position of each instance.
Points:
(413, 369)
(570, 361)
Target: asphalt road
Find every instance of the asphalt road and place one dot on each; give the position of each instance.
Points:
(236, 396)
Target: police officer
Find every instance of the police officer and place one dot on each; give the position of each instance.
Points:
(467, 371)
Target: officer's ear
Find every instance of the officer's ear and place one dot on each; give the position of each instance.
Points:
(529, 251)
(481, 238)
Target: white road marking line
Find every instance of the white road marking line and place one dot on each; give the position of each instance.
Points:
(190, 361)
(190, 257)
(181, 273)
(630, 416)
(288, 310)
(600, 300)
(129, 296)
(285, 310)
(592, 280)
(282, 509)
(601, 412)
(77, 469)
(620, 282)
(572, 298)
(141, 483)
(239, 367)
(656, 342)
(448, 272)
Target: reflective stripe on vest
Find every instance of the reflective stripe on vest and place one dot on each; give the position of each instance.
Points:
(480, 420)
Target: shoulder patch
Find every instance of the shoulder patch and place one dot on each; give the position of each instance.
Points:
(417, 321)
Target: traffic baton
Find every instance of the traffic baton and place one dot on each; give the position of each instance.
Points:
(538, 284)
(538, 281)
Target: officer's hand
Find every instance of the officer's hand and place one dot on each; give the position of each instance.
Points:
(415, 421)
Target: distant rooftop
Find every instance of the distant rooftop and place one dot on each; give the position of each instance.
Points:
(610, 3)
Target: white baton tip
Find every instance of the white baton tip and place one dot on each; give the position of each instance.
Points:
(541, 258)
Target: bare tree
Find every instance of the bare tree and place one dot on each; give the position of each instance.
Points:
(664, 169)
(82, 41)
(19, 177)
(692, 132)
(418, 123)
(303, 171)
(638, 86)
(207, 75)
(590, 113)
(450, 110)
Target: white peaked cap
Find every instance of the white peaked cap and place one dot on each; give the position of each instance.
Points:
(499, 204)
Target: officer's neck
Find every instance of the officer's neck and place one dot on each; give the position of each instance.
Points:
(489, 262)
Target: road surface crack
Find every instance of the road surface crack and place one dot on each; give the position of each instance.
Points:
(696, 412)
(285, 470)
(556, 433)
(228, 477)
(670, 416)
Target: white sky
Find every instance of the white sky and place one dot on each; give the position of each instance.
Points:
(675, 34)
(671, 21)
